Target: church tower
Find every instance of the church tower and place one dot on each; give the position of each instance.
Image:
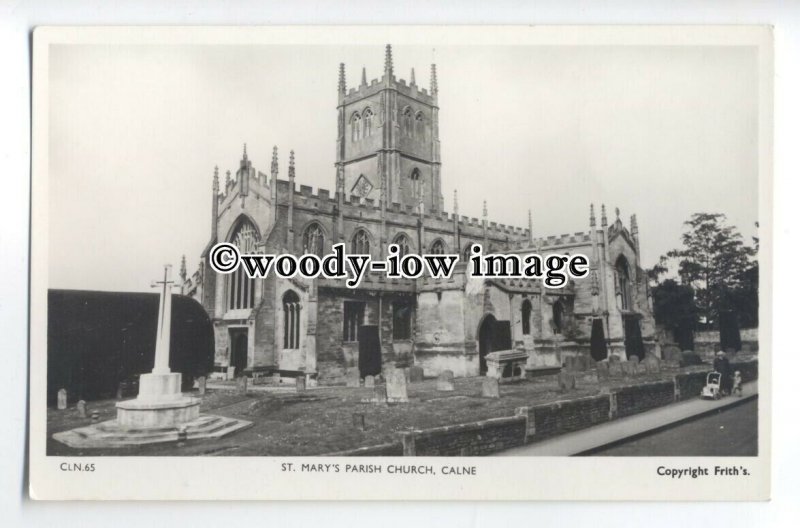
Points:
(388, 139)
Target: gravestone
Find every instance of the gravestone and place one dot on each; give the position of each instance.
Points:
(634, 359)
(652, 364)
(379, 394)
(490, 388)
(276, 378)
(444, 382)
(603, 371)
(358, 421)
(95, 416)
(62, 399)
(396, 389)
(566, 381)
(120, 386)
(353, 378)
(569, 363)
(369, 381)
(241, 384)
(416, 374)
(614, 359)
(629, 368)
(231, 373)
(256, 378)
(300, 383)
(201, 385)
(614, 368)
(81, 408)
(672, 353)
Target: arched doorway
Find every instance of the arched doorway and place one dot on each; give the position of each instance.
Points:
(239, 351)
(485, 340)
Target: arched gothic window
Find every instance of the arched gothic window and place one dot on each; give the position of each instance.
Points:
(558, 316)
(624, 282)
(355, 126)
(407, 120)
(416, 184)
(241, 288)
(360, 243)
(419, 124)
(291, 320)
(526, 317)
(404, 245)
(313, 240)
(368, 122)
(437, 248)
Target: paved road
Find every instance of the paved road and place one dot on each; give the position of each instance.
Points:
(732, 431)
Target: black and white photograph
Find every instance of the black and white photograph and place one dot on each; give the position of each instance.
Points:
(235, 243)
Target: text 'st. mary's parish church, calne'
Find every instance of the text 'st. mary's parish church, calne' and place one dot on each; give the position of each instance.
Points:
(388, 190)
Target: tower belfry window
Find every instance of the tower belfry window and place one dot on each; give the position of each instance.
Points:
(355, 126)
(368, 122)
(419, 125)
(407, 122)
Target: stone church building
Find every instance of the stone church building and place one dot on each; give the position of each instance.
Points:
(388, 189)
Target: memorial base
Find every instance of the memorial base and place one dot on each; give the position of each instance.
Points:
(161, 413)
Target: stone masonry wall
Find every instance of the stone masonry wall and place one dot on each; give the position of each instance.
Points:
(473, 439)
(545, 421)
(566, 416)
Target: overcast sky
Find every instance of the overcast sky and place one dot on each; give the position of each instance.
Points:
(135, 132)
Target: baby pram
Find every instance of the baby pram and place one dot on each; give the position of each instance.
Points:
(712, 388)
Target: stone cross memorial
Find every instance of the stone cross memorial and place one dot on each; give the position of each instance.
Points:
(160, 402)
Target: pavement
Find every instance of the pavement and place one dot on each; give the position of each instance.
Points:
(615, 431)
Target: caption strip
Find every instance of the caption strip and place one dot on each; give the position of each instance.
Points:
(554, 270)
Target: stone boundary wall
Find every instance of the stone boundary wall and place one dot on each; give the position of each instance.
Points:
(707, 343)
(539, 422)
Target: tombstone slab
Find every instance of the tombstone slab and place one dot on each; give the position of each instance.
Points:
(603, 371)
(490, 388)
(416, 374)
(396, 389)
(652, 364)
(566, 381)
(629, 368)
(62, 399)
(379, 394)
(231, 373)
(81, 408)
(615, 368)
(241, 384)
(300, 383)
(201, 385)
(444, 382)
(369, 381)
(353, 378)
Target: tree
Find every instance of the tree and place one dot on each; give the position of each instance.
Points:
(714, 261)
(674, 308)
